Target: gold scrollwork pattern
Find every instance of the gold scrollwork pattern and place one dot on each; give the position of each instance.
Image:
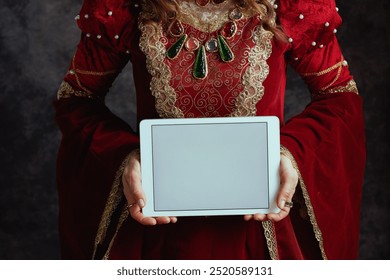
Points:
(251, 83)
(154, 50)
(317, 231)
(255, 74)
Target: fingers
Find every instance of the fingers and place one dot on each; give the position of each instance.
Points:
(288, 184)
(136, 214)
(135, 195)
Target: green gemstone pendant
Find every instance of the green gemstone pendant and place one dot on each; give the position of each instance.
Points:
(224, 50)
(200, 68)
(175, 49)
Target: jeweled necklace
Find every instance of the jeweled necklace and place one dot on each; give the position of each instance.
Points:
(214, 44)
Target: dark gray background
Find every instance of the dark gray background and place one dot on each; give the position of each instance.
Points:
(37, 40)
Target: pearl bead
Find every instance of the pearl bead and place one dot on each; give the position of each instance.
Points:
(335, 31)
(337, 9)
(88, 35)
(301, 16)
(290, 40)
(128, 52)
(313, 44)
(327, 24)
(345, 63)
(109, 13)
(86, 16)
(116, 37)
(77, 17)
(321, 46)
(99, 36)
(275, 6)
(71, 72)
(296, 59)
(136, 5)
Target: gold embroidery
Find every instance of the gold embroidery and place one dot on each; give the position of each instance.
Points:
(317, 231)
(111, 204)
(154, 49)
(242, 97)
(349, 87)
(270, 236)
(123, 217)
(66, 91)
(255, 75)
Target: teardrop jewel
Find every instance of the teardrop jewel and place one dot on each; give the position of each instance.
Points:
(224, 50)
(175, 49)
(200, 68)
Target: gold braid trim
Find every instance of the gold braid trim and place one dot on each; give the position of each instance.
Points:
(339, 66)
(74, 71)
(317, 232)
(111, 204)
(326, 71)
(270, 236)
(123, 217)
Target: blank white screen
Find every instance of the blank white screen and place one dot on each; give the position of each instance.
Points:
(208, 166)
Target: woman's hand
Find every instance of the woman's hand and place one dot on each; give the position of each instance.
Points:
(135, 196)
(288, 184)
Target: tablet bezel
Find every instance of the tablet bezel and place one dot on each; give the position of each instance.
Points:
(146, 146)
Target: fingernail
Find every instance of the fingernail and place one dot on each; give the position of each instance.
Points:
(141, 203)
(282, 203)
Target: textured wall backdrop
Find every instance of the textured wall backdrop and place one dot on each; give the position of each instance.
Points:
(37, 40)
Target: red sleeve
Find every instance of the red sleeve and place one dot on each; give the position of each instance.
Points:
(327, 140)
(94, 141)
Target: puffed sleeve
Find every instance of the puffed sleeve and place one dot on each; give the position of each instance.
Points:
(326, 142)
(95, 143)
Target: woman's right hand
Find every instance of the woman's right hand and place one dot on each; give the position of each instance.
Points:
(135, 195)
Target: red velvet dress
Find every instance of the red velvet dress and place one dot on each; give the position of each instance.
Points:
(326, 141)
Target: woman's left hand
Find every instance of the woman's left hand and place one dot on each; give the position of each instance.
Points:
(288, 183)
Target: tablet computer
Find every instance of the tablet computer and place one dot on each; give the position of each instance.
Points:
(210, 166)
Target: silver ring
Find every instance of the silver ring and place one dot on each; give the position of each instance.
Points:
(128, 206)
(288, 204)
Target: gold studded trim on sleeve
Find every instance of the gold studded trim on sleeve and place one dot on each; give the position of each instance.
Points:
(317, 231)
(66, 91)
(349, 87)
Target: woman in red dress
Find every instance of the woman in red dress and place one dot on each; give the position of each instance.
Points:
(210, 58)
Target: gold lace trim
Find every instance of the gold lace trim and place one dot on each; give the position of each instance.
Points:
(111, 204)
(317, 231)
(155, 54)
(349, 87)
(270, 236)
(255, 74)
(252, 80)
(66, 91)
